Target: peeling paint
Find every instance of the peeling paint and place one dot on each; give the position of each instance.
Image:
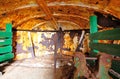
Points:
(43, 43)
(42, 46)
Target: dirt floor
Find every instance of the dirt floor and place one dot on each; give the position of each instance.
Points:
(38, 68)
(33, 68)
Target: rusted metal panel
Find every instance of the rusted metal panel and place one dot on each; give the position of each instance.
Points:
(43, 44)
(25, 43)
(71, 40)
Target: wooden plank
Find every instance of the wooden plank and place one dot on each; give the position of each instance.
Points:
(6, 56)
(5, 42)
(93, 24)
(5, 49)
(9, 27)
(106, 35)
(49, 15)
(93, 28)
(5, 34)
(113, 49)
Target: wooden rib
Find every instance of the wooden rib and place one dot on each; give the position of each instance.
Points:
(44, 7)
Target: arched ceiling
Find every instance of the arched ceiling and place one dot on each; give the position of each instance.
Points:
(68, 14)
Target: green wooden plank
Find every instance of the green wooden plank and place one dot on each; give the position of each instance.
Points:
(9, 27)
(106, 35)
(5, 42)
(6, 56)
(116, 67)
(113, 49)
(5, 34)
(93, 28)
(93, 53)
(93, 24)
(5, 49)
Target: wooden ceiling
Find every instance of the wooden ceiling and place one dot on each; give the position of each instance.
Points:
(53, 14)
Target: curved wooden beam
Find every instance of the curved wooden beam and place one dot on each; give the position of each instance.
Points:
(45, 8)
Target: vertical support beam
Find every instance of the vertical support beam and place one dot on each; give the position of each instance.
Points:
(32, 45)
(93, 28)
(9, 27)
(93, 24)
(49, 15)
(55, 54)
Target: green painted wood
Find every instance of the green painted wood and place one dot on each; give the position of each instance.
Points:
(93, 53)
(93, 29)
(5, 34)
(93, 24)
(113, 49)
(9, 27)
(6, 56)
(106, 35)
(5, 49)
(5, 42)
(116, 66)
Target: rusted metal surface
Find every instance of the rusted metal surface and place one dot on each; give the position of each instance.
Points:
(104, 66)
(82, 71)
(24, 17)
(71, 41)
(24, 14)
(33, 50)
(42, 45)
(69, 14)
